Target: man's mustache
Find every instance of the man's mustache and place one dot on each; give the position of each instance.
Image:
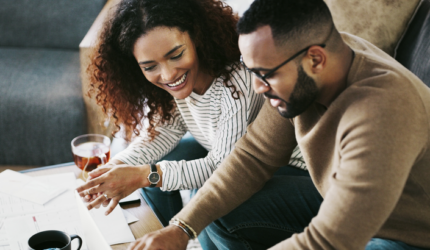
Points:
(273, 97)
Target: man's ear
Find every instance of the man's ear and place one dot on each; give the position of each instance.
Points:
(317, 58)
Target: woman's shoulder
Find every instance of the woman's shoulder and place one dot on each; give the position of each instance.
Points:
(238, 77)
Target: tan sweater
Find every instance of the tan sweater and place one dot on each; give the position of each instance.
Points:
(367, 153)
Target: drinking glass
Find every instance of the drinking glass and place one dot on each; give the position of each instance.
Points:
(90, 151)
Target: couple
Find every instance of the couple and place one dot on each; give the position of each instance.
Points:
(361, 122)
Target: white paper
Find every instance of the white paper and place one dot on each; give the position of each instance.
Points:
(94, 239)
(135, 196)
(113, 227)
(129, 217)
(11, 206)
(21, 228)
(28, 188)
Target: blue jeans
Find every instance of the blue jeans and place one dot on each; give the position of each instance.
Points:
(285, 205)
(169, 203)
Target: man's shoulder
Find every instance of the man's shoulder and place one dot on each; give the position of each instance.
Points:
(377, 77)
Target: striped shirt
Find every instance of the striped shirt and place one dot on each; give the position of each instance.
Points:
(215, 119)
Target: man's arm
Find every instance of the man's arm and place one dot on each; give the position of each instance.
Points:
(381, 135)
(265, 147)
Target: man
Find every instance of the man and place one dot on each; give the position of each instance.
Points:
(361, 121)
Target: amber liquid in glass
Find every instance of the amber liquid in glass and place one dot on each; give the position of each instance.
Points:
(88, 156)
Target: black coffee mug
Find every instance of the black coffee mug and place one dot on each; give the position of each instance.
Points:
(52, 239)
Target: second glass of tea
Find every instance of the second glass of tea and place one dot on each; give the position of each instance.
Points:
(90, 151)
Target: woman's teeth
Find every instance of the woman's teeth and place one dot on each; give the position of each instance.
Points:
(180, 81)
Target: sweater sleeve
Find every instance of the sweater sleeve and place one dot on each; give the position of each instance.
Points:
(142, 151)
(236, 114)
(245, 170)
(381, 136)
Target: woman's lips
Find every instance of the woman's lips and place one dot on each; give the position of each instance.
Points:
(180, 86)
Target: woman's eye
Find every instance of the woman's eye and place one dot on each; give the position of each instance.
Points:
(178, 56)
(149, 68)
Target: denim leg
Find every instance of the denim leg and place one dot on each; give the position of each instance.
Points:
(204, 239)
(385, 244)
(169, 203)
(284, 206)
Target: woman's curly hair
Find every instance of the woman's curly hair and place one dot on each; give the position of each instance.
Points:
(116, 78)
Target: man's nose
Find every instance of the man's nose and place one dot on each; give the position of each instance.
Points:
(259, 86)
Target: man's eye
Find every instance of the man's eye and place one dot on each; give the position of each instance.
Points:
(269, 76)
(178, 56)
(149, 68)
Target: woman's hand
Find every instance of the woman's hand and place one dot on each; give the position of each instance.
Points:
(168, 238)
(113, 183)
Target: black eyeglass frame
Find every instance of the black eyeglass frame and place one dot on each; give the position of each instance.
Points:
(263, 77)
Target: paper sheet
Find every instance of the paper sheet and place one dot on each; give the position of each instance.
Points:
(21, 228)
(11, 206)
(113, 227)
(129, 217)
(94, 239)
(28, 188)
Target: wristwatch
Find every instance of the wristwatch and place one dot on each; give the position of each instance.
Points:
(154, 176)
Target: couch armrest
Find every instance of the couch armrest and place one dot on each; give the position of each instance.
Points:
(97, 122)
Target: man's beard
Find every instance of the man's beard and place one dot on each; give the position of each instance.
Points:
(304, 94)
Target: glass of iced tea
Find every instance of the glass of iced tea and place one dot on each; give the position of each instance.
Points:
(90, 151)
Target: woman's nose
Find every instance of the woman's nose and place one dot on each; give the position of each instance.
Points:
(168, 74)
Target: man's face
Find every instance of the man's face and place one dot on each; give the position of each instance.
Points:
(291, 90)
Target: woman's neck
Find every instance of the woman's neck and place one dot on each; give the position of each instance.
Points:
(203, 82)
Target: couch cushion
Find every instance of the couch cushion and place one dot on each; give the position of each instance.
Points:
(381, 22)
(41, 106)
(414, 48)
(46, 23)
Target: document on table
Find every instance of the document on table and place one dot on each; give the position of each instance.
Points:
(114, 226)
(23, 218)
(11, 207)
(28, 188)
(21, 228)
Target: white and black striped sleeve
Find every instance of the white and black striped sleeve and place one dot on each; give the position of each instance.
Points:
(140, 151)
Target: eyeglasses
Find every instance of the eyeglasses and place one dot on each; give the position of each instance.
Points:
(263, 77)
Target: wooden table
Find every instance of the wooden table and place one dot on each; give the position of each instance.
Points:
(147, 223)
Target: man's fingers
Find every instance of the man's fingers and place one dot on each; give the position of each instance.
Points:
(90, 184)
(113, 204)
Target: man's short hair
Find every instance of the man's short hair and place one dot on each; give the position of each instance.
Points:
(286, 18)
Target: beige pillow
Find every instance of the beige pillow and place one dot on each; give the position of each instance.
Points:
(381, 22)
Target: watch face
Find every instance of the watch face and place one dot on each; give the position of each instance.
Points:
(154, 178)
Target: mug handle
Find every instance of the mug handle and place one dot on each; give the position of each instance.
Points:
(74, 236)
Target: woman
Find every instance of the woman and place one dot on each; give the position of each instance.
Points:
(173, 64)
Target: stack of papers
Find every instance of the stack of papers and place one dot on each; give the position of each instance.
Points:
(32, 204)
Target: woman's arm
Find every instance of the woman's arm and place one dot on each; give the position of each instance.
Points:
(140, 151)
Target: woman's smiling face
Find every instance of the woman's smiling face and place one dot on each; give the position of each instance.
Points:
(168, 59)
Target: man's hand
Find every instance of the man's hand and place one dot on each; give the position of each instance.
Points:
(115, 182)
(168, 238)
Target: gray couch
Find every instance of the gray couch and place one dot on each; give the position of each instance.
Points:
(41, 103)
(413, 50)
